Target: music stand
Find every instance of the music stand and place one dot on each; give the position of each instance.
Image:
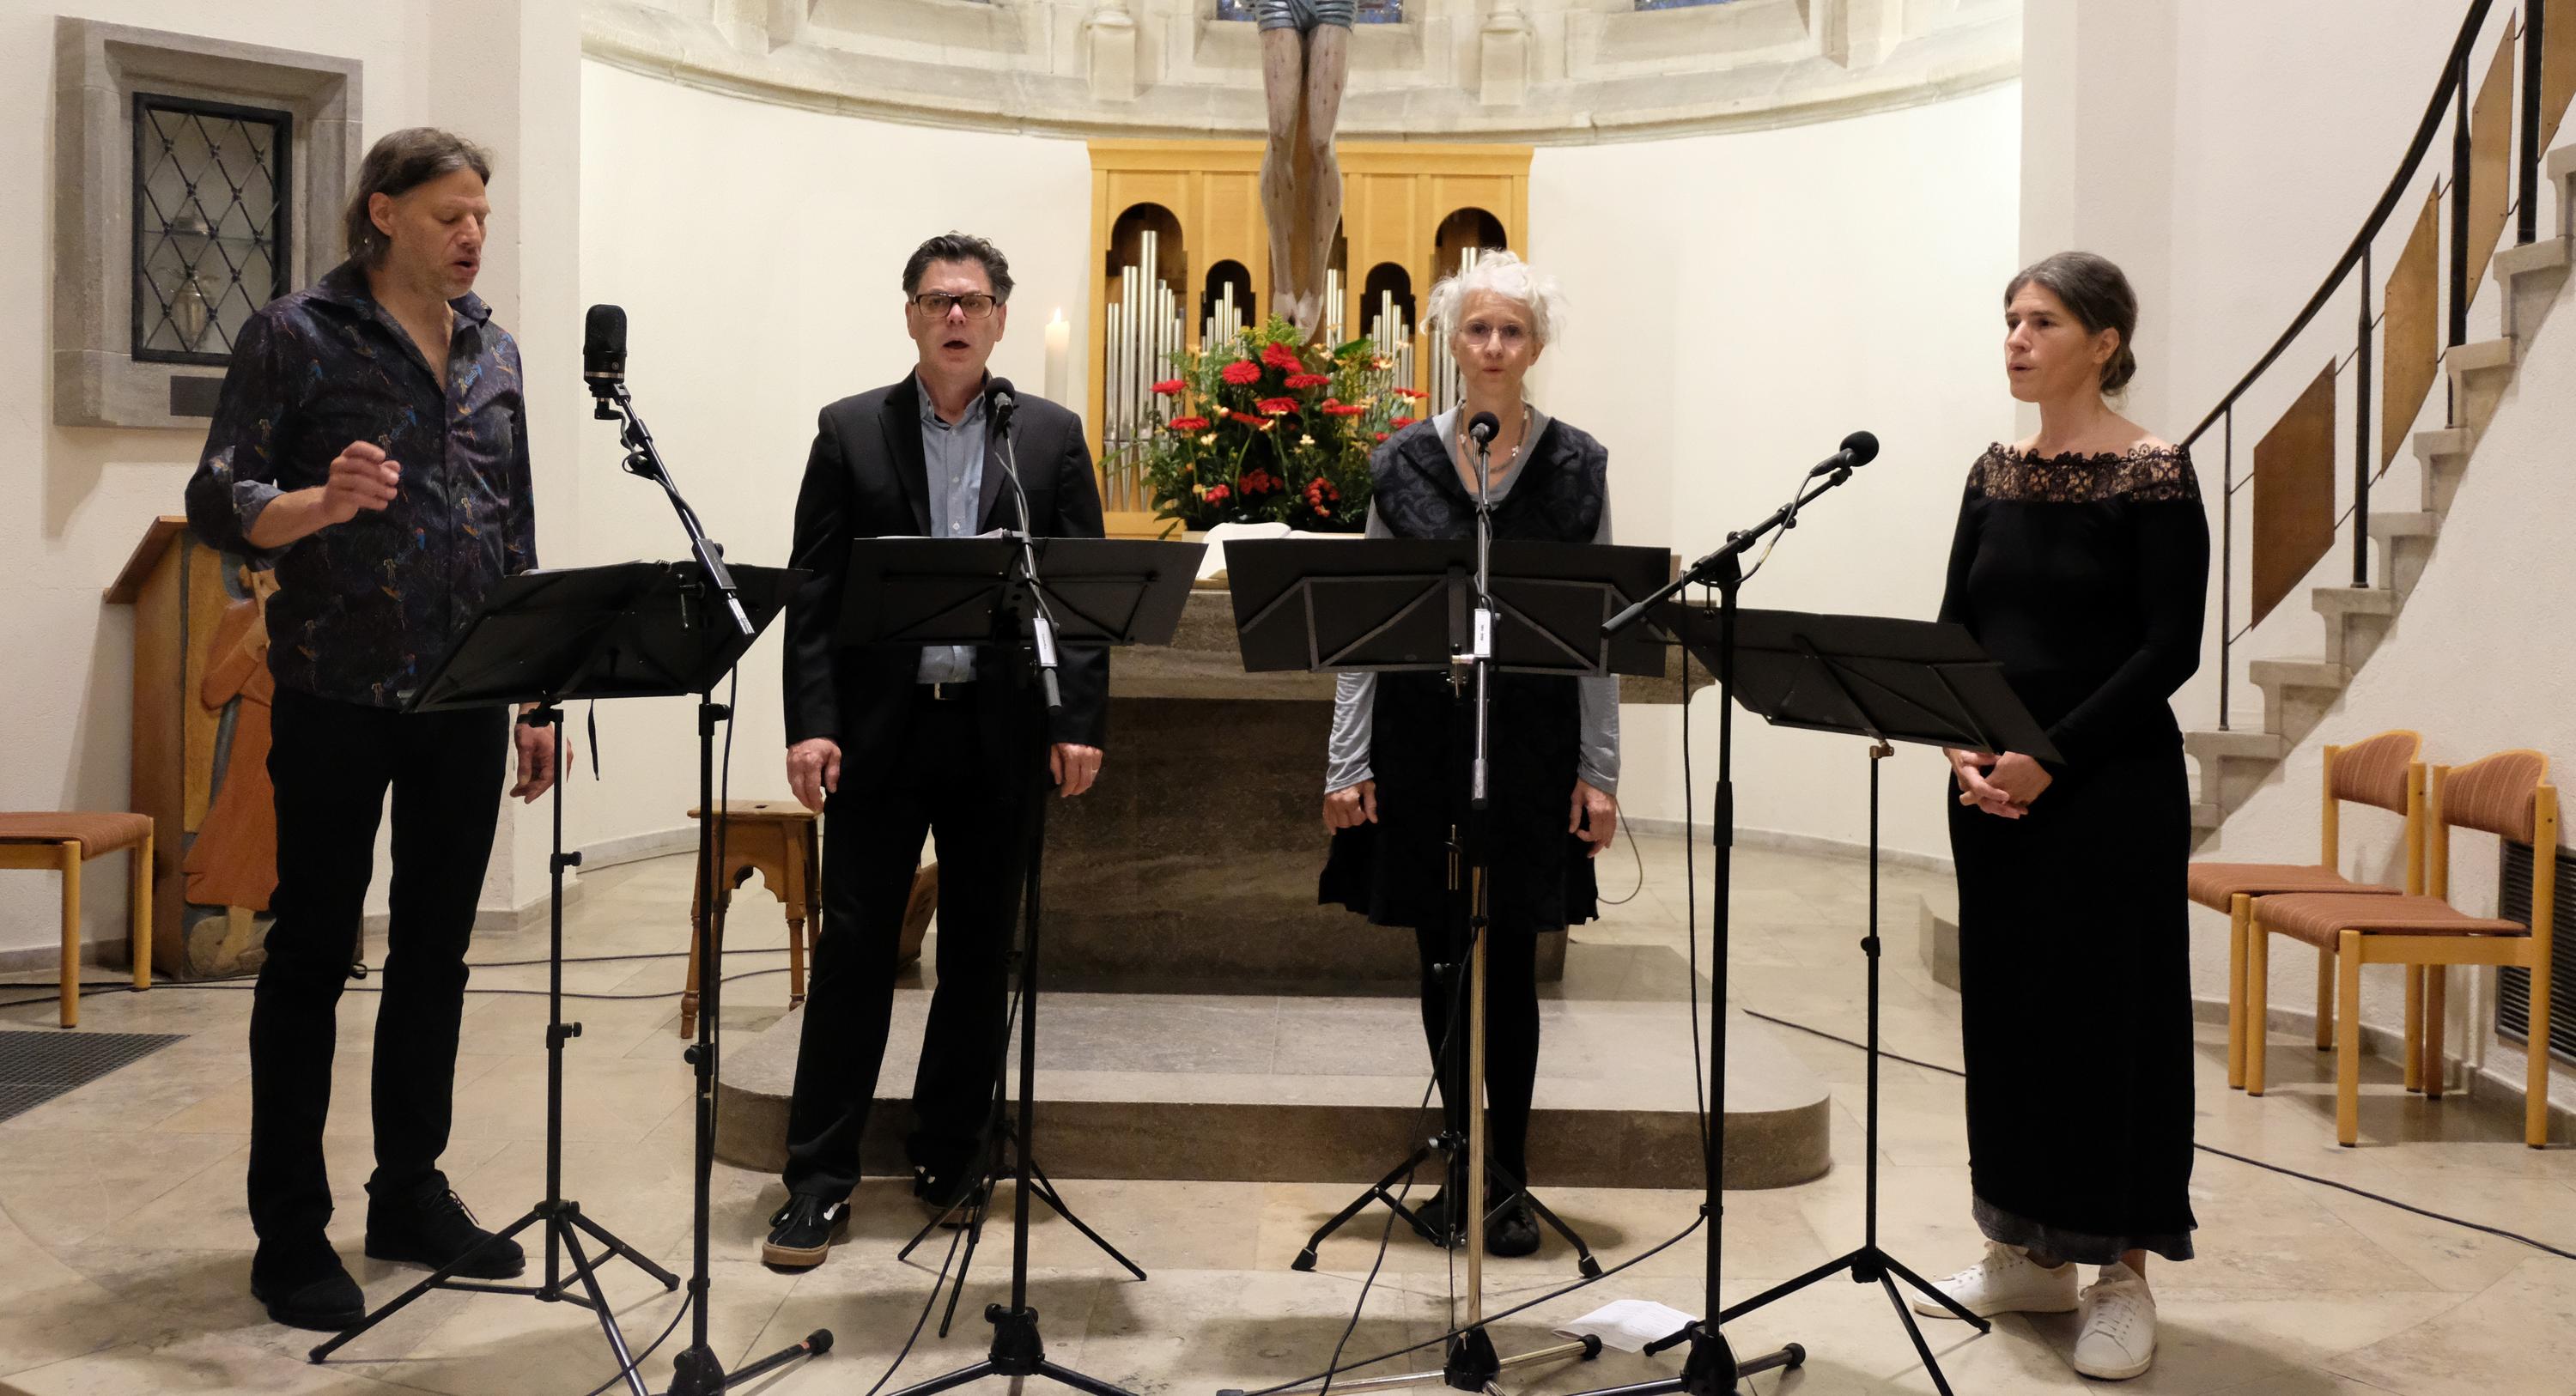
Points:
(990, 592)
(1921, 682)
(630, 630)
(1393, 605)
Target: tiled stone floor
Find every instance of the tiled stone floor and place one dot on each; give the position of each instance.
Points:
(124, 1249)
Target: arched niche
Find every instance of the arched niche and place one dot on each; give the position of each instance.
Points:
(1225, 275)
(1127, 244)
(1465, 230)
(1384, 280)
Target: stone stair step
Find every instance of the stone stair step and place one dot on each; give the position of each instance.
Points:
(2233, 764)
(2404, 544)
(2237, 742)
(2532, 274)
(2207, 816)
(2357, 620)
(2298, 673)
(2444, 457)
(2479, 372)
(2479, 355)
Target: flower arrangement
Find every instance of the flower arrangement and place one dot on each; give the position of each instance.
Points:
(1261, 430)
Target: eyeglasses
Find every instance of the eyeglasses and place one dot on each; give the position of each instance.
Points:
(937, 304)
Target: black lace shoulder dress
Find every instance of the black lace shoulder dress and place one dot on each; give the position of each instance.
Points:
(2086, 576)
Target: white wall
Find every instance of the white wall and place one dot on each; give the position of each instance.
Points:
(499, 70)
(2226, 154)
(1734, 316)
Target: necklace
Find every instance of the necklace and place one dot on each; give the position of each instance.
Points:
(1467, 447)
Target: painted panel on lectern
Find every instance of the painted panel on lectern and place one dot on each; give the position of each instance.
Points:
(2294, 493)
(2411, 344)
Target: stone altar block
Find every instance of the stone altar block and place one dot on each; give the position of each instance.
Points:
(1191, 866)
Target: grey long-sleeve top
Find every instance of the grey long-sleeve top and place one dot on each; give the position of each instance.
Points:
(1355, 695)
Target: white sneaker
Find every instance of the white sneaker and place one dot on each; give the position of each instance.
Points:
(2118, 1335)
(2005, 1282)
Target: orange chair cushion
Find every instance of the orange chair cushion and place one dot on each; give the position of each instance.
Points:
(2217, 885)
(764, 811)
(96, 833)
(2321, 918)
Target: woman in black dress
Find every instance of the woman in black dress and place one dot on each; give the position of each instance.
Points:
(1397, 774)
(2081, 563)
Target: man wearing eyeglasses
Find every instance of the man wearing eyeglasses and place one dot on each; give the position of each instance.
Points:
(892, 742)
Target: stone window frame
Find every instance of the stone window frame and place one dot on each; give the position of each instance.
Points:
(98, 68)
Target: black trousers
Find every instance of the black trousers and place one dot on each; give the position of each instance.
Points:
(330, 764)
(1511, 1034)
(945, 781)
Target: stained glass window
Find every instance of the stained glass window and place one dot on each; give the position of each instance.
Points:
(211, 231)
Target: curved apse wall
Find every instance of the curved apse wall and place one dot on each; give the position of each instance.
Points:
(1740, 302)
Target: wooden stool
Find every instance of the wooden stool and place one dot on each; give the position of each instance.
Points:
(780, 840)
(64, 842)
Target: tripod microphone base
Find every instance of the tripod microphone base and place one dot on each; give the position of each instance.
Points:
(1018, 1352)
(1711, 1369)
(1870, 1265)
(698, 1373)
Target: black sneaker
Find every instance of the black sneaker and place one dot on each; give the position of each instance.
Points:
(800, 1235)
(1513, 1231)
(312, 1289)
(430, 1226)
(952, 1195)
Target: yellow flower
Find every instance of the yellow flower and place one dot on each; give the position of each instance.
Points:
(1208, 440)
(1305, 441)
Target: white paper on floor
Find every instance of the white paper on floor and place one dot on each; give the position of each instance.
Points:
(1628, 1324)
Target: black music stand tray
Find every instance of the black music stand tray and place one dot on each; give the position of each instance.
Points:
(981, 592)
(1388, 605)
(630, 630)
(1891, 681)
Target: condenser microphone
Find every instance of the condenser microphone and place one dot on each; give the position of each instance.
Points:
(603, 350)
(998, 398)
(1483, 428)
(1859, 449)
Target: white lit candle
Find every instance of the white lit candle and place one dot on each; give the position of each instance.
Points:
(1059, 356)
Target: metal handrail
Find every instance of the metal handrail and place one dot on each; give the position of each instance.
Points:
(2451, 96)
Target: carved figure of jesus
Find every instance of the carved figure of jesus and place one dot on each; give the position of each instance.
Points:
(1305, 60)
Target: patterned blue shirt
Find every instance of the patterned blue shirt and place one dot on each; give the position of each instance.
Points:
(365, 609)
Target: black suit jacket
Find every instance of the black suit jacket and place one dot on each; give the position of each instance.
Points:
(866, 477)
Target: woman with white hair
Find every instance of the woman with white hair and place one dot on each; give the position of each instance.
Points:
(1396, 781)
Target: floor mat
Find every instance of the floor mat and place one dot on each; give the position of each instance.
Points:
(35, 1067)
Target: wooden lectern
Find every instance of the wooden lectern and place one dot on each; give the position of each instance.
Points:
(201, 709)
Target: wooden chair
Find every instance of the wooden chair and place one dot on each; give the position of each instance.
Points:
(2506, 794)
(65, 841)
(2379, 771)
(780, 840)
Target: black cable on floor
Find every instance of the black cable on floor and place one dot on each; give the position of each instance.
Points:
(237, 984)
(2425, 1212)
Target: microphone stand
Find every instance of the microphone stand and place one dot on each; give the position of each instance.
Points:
(1018, 1350)
(1711, 1368)
(644, 459)
(697, 1371)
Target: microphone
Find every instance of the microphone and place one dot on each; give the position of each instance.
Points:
(997, 397)
(1482, 429)
(1859, 449)
(603, 350)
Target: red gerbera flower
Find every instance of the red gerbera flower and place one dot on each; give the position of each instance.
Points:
(1218, 494)
(1399, 423)
(1258, 482)
(1414, 394)
(1242, 372)
(1343, 409)
(1299, 382)
(1188, 424)
(1381, 436)
(1276, 406)
(1246, 418)
(1169, 387)
(1282, 358)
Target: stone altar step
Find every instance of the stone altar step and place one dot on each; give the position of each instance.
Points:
(1325, 1089)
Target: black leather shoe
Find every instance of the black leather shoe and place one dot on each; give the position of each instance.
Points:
(1433, 1224)
(1512, 1231)
(800, 1235)
(314, 1291)
(951, 1194)
(430, 1226)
